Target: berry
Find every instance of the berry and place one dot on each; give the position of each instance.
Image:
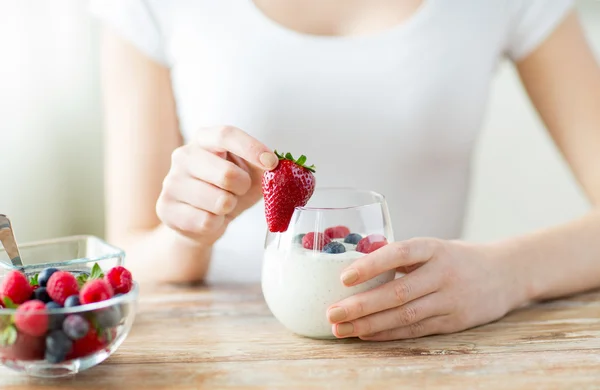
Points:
(289, 185)
(120, 279)
(30, 320)
(334, 247)
(87, 345)
(75, 326)
(55, 320)
(26, 347)
(308, 241)
(371, 243)
(337, 232)
(95, 290)
(15, 286)
(44, 276)
(72, 301)
(53, 305)
(61, 285)
(109, 317)
(352, 238)
(58, 345)
(41, 294)
(298, 238)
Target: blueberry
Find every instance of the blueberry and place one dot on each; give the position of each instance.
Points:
(334, 247)
(352, 238)
(55, 320)
(42, 294)
(54, 357)
(58, 345)
(53, 305)
(45, 275)
(72, 301)
(75, 327)
(298, 238)
(109, 317)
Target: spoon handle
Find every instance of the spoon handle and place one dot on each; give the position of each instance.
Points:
(9, 243)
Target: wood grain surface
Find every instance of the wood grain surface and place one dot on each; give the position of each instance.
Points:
(224, 337)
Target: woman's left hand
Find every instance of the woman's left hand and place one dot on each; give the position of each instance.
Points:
(448, 286)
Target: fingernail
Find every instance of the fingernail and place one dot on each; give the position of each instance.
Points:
(345, 329)
(337, 314)
(349, 277)
(268, 160)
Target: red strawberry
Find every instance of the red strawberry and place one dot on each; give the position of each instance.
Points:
(337, 232)
(289, 185)
(25, 348)
(371, 243)
(120, 279)
(16, 287)
(62, 285)
(30, 322)
(308, 241)
(95, 290)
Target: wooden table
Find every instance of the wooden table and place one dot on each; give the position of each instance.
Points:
(224, 337)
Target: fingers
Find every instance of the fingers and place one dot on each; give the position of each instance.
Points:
(217, 171)
(233, 140)
(391, 256)
(200, 195)
(426, 327)
(415, 311)
(188, 220)
(396, 293)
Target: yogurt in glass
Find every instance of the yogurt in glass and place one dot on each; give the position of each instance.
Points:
(301, 281)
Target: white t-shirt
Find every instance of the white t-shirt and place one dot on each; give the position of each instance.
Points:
(396, 112)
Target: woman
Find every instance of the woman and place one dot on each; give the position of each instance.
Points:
(385, 95)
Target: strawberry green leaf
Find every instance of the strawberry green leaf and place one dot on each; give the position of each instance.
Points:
(8, 336)
(108, 336)
(81, 279)
(33, 280)
(99, 330)
(9, 304)
(96, 272)
(301, 161)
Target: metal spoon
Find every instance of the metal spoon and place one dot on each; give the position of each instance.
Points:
(7, 237)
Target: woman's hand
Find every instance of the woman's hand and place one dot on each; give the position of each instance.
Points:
(211, 181)
(449, 286)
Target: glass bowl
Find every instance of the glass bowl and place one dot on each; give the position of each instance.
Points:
(107, 322)
(302, 266)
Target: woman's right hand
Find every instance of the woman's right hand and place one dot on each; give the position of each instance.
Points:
(212, 180)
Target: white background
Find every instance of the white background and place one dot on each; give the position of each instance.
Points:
(51, 134)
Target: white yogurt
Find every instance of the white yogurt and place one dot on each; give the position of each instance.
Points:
(299, 285)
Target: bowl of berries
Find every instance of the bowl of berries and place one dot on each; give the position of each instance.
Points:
(66, 306)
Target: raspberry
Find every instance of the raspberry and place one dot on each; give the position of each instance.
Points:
(31, 318)
(25, 348)
(16, 287)
(95, 290)
(337, 232)
(371, 243)
(308, 241)
(62, 285)
(120, 280)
